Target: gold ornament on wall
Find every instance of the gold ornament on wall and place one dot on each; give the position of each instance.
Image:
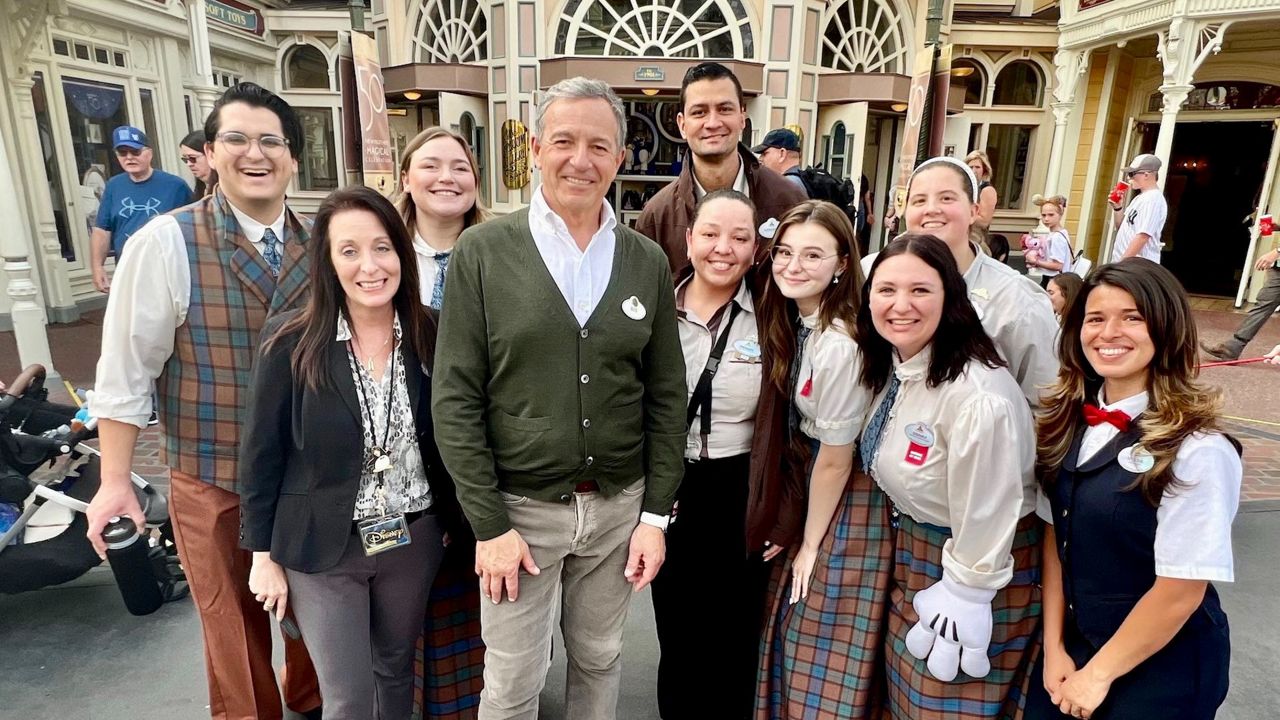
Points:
(515, 154)
(797, 130)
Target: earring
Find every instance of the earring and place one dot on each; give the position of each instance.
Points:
(835, 280)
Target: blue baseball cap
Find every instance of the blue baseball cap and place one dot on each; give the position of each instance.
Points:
(778, 138)
(130, 137)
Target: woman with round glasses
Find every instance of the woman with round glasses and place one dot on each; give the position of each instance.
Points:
(807, 316)
(192, 152)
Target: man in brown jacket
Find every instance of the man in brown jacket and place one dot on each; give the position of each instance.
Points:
(712, 117)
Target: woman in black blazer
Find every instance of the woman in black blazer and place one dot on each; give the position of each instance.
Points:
(344, 502)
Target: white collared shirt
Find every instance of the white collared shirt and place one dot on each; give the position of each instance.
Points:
(581, 275)
(735, 392)
(428, 268)
(739, 181)
(961, 456)
(830, 400)
(149, 298)
(1193, 521)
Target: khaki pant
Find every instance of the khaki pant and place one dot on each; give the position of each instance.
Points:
(237, 631)
(581, 549)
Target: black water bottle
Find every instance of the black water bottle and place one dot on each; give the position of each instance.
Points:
(128, 555)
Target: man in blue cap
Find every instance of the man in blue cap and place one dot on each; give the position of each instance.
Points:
(780, 152)
(131, 199)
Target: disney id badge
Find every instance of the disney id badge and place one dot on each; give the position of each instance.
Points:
(380, 534)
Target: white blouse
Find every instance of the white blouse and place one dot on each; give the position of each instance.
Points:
(1193, 521)
(961, 456)
(735, 390)
(830, 400)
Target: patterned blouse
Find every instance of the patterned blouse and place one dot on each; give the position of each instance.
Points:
(404, 487)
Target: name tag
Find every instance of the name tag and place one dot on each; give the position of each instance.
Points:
(385, 533)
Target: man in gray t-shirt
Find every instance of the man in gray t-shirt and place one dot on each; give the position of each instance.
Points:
(1139, 225)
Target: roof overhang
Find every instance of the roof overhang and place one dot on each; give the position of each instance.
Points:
(436, 77)
(633, 75)
(880, 90)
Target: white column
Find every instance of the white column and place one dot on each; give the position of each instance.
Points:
(1070, 66)
(1182, 50)
(1174, 96)
(206, 91)
(16, 247)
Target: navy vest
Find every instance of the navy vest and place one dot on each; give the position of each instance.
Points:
(1106, 542)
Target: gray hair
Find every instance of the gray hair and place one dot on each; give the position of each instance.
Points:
(581, 88)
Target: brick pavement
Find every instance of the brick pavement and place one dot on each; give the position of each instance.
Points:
(1252, 391)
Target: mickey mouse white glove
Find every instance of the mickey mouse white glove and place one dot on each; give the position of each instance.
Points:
(954, 630)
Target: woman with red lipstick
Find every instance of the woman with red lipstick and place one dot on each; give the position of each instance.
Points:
(1143, 486)
(948, 448)
(806, 318)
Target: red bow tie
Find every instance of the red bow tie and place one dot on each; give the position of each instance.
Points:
(1095, 415)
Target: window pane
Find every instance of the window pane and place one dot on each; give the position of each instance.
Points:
(318, 169)
(973, 83)
(149, 124)
(306, 68)
(1017, 84)
(52, 171)
(1009, 146)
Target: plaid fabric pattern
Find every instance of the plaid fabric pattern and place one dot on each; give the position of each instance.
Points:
(914, 694)
(448, 668)
(203, 386)
(821, 656)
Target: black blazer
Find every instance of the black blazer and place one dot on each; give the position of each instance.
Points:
(300, 455)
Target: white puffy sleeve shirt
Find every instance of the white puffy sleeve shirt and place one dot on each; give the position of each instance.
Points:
(961, 456)
(830, 400)
(1193, 521)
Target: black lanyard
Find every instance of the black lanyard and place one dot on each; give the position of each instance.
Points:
(700, 400)
(378, 449)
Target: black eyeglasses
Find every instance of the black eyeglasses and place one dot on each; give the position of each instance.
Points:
(128, 152)
(191, 159)
(1134, 173)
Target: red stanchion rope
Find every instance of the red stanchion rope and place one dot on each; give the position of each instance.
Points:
(1224, 363)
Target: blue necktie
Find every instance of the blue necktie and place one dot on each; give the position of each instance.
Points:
(801, 336)
(874, 432)
(437, 290)
(269, 251)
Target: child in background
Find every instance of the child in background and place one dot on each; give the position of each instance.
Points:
(1054, 254)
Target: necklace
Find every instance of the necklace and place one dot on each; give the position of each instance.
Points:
(368, 361)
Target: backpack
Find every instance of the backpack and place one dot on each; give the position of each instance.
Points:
(822, 185)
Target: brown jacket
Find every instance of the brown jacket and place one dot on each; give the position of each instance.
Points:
(670, 212)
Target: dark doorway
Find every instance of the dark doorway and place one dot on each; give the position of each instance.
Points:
(1212, 183)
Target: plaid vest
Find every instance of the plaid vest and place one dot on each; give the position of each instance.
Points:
(203, 388)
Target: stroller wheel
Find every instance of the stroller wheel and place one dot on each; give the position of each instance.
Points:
(168, 569)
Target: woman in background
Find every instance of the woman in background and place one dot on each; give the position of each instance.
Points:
(1063, 290)
(987, 197)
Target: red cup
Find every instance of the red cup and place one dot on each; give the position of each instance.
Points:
(1117, 193)
(1266, 225)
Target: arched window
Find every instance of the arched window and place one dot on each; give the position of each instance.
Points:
(656, 28)
(864, 36)
(835, 148)
(452, 31)
(1019, 83)
(306, 67)
(975, 83)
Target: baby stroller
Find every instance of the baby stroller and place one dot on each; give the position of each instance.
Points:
(42, 521)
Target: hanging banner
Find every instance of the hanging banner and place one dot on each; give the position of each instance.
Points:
(911, 133)
(941, 88)
(377, 155)
(515, 154)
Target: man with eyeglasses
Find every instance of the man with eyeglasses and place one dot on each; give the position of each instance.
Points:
(189, 300)
(131, 199)
(1139, 225)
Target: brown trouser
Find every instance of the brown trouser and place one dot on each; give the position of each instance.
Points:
(237, 631)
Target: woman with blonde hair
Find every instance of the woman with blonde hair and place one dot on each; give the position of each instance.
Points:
(1143, 487)
(438, 200)
(980, 164)
(1055, 255)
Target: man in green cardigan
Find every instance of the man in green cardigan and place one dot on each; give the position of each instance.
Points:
(559, 400)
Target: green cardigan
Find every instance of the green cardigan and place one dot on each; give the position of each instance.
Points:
(528, 402)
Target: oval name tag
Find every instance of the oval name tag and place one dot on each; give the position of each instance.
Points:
(747, 347)
(1136, 459)
(633, 308)
(920, 434)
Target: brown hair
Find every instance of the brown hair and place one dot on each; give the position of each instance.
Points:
(1057, 201)
(319, 317)
(404, 200)
(1070, 284)
(839, 301)
(1180, 405)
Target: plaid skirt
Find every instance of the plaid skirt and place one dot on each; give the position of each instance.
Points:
(449, 664)
(914, 694)
(822, 656)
